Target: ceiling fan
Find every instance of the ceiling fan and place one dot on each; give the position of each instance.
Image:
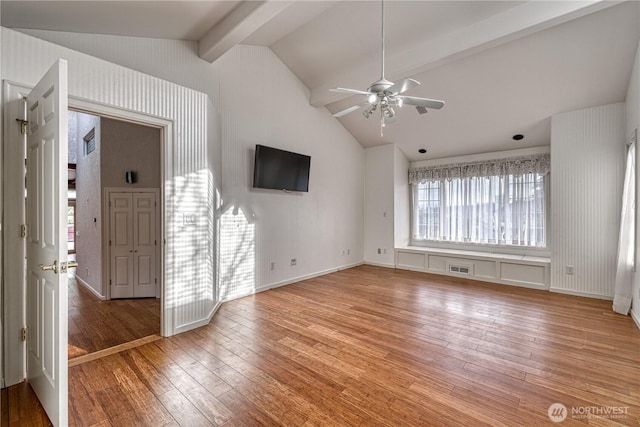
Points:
(384, 95)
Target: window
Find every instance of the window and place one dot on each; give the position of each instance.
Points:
(464, 204)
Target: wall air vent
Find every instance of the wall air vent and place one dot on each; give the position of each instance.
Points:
(460, 269)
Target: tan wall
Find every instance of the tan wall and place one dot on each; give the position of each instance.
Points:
(128, 146)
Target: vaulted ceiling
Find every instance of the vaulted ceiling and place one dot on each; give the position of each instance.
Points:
(502, 67)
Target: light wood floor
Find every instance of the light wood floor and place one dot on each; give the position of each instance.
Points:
(371, 346)
(97, 325)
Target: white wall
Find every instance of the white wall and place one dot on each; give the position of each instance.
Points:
(262, 102)
(587, 164)
(316, 227)
(189, 297)
(88, 206)
(379, 205)
(401, 199)
(172, 60)
(632, 123)
(387, 204)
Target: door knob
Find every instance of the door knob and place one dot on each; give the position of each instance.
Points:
(53, 267)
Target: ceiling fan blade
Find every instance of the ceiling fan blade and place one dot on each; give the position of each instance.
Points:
(422, 102)
(402, 86)
(349, 91)
(350, 109)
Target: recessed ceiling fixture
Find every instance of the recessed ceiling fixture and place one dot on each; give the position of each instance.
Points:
(385, 95)
(518, 137)
(422, 150)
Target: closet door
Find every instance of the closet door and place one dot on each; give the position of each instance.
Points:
(144, 245)
(121, 245)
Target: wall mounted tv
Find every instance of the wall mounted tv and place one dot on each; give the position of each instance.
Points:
(280, 170)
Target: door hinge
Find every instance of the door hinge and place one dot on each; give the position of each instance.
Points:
(110, 282)
(23, 230)
(23, 334)
(109, 242)
(155, 243)
(156, 280)
(23, 126)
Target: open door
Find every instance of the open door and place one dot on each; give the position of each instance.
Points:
(47, 242)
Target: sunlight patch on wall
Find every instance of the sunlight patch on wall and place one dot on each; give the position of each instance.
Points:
(192, 276)
(236, 257)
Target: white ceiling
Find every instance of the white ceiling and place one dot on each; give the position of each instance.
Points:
(502, 67)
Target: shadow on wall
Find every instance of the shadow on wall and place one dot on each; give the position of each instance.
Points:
(236, 259)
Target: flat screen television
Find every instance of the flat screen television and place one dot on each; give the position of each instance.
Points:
(280, 170)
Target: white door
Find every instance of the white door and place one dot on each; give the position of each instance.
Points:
(133, 244)
(46, 242)
(144, 245)
(121, 245)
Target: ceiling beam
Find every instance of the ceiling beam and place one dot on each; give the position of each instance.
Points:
(241, 22)
(514, 23)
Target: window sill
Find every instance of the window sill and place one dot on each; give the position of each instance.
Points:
(482, 249)
(478, 254)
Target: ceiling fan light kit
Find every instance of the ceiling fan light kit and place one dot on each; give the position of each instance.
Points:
(384, 95)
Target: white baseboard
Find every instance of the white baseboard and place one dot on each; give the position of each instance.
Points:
(90, 289)
(213, 311)
(580, 294)
(636, 318)
(197, 324)
(379, 264)
(293, 280)
(306, 277)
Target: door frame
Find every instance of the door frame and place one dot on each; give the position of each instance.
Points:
(166, 144)
(106, 230)
(14, 313)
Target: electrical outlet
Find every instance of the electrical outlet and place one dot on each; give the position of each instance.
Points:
(348, 251)
(568, 269)
(343, 252)
(294, 262)
(385, 251)
(379, 251)
(273, 266)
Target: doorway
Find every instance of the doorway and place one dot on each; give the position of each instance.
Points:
(105, 149)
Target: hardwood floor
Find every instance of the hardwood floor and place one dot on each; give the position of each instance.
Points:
(372, 346)
(96, 325)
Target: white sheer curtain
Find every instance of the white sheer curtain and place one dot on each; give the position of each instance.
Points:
(498, 210)
(626, 242)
